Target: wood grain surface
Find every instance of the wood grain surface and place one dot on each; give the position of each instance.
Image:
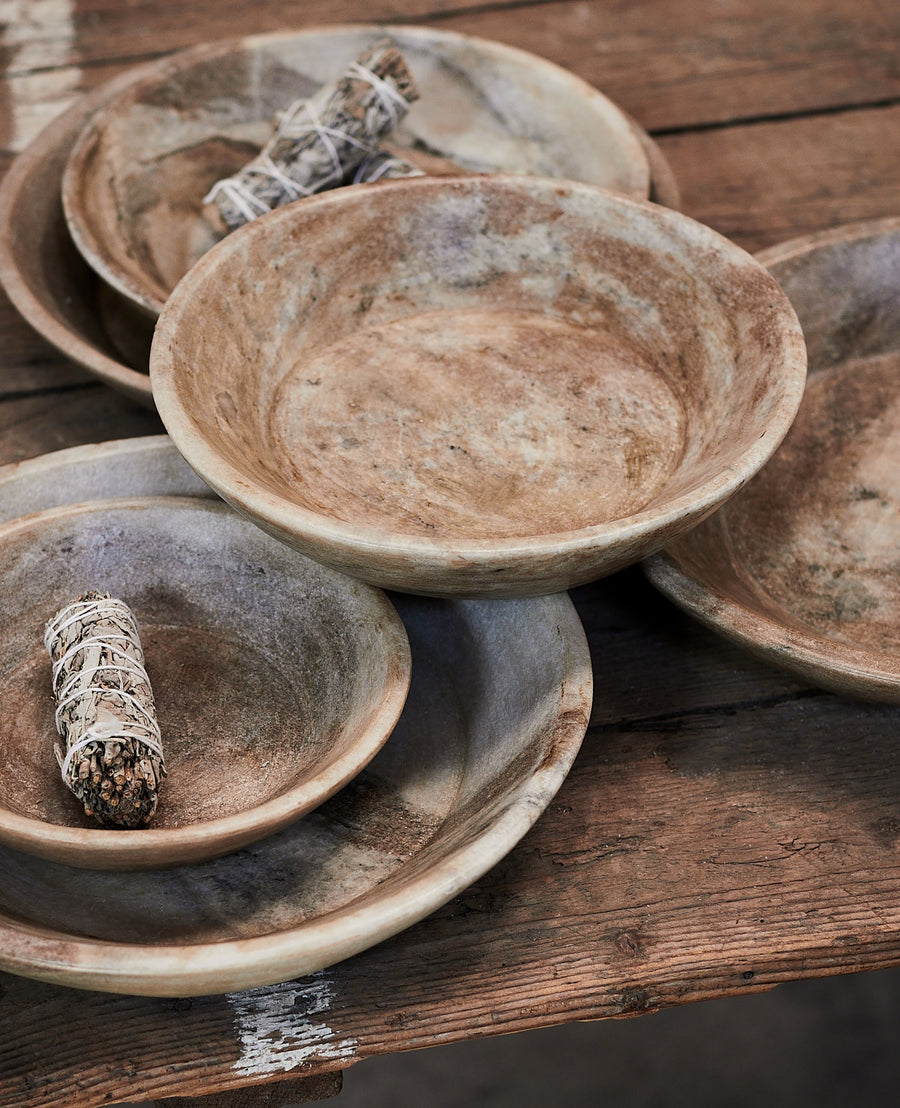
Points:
(725, 828)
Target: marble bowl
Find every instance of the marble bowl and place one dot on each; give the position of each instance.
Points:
(59, 294)
(275, 679)
(482, 386)
(803, 566)
(48, 281)
(135, 180)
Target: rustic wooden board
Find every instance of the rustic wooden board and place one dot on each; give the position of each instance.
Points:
(671, 65)
(675, 66)
(762, 183)
(725, 826)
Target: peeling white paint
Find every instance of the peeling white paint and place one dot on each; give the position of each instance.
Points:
(41, 78)
(276, 1030)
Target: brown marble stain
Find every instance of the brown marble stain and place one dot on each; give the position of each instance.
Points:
(472, 423)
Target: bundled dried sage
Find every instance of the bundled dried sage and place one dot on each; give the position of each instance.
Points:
(112, 759)
(318, 142)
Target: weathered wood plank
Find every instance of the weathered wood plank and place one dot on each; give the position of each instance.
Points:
(627, 627)
(671, 66)
(52, 51)
(84, 32)
(38, 419)
(725, 827)
(761, 184)
(681, 65)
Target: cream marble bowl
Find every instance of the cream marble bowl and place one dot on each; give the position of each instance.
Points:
(275, 679)
(134, 183)
(482, 386)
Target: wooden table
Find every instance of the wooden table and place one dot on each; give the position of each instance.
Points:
(724, 828)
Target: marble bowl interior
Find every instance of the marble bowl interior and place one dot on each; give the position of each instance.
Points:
(275, 680)
(477, 385)
(135, 181)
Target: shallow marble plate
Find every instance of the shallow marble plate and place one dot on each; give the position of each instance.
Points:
(803, 566)
(497, 710)
(275, 681)
(483, 385)
(46, 278)
(135, 180)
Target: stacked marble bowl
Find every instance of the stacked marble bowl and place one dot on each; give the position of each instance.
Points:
(260, 659)
(220, 100)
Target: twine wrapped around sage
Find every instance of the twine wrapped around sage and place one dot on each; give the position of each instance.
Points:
(112, 758)
(383, 165)
(318, 142)
(392, 161)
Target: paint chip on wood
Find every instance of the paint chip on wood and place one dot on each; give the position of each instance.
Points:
(280, 1027)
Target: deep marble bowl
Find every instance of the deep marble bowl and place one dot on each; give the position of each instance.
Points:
(482, 386)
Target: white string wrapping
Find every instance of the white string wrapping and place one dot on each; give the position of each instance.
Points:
(383, 164)
(97, 672)
(395, 104)
(240, 190)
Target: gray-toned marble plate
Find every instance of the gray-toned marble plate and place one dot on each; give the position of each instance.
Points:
(135, 180)
(803, 565)
(497, 710)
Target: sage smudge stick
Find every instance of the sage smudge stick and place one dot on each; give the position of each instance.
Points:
(111, 757)
(318, 142)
